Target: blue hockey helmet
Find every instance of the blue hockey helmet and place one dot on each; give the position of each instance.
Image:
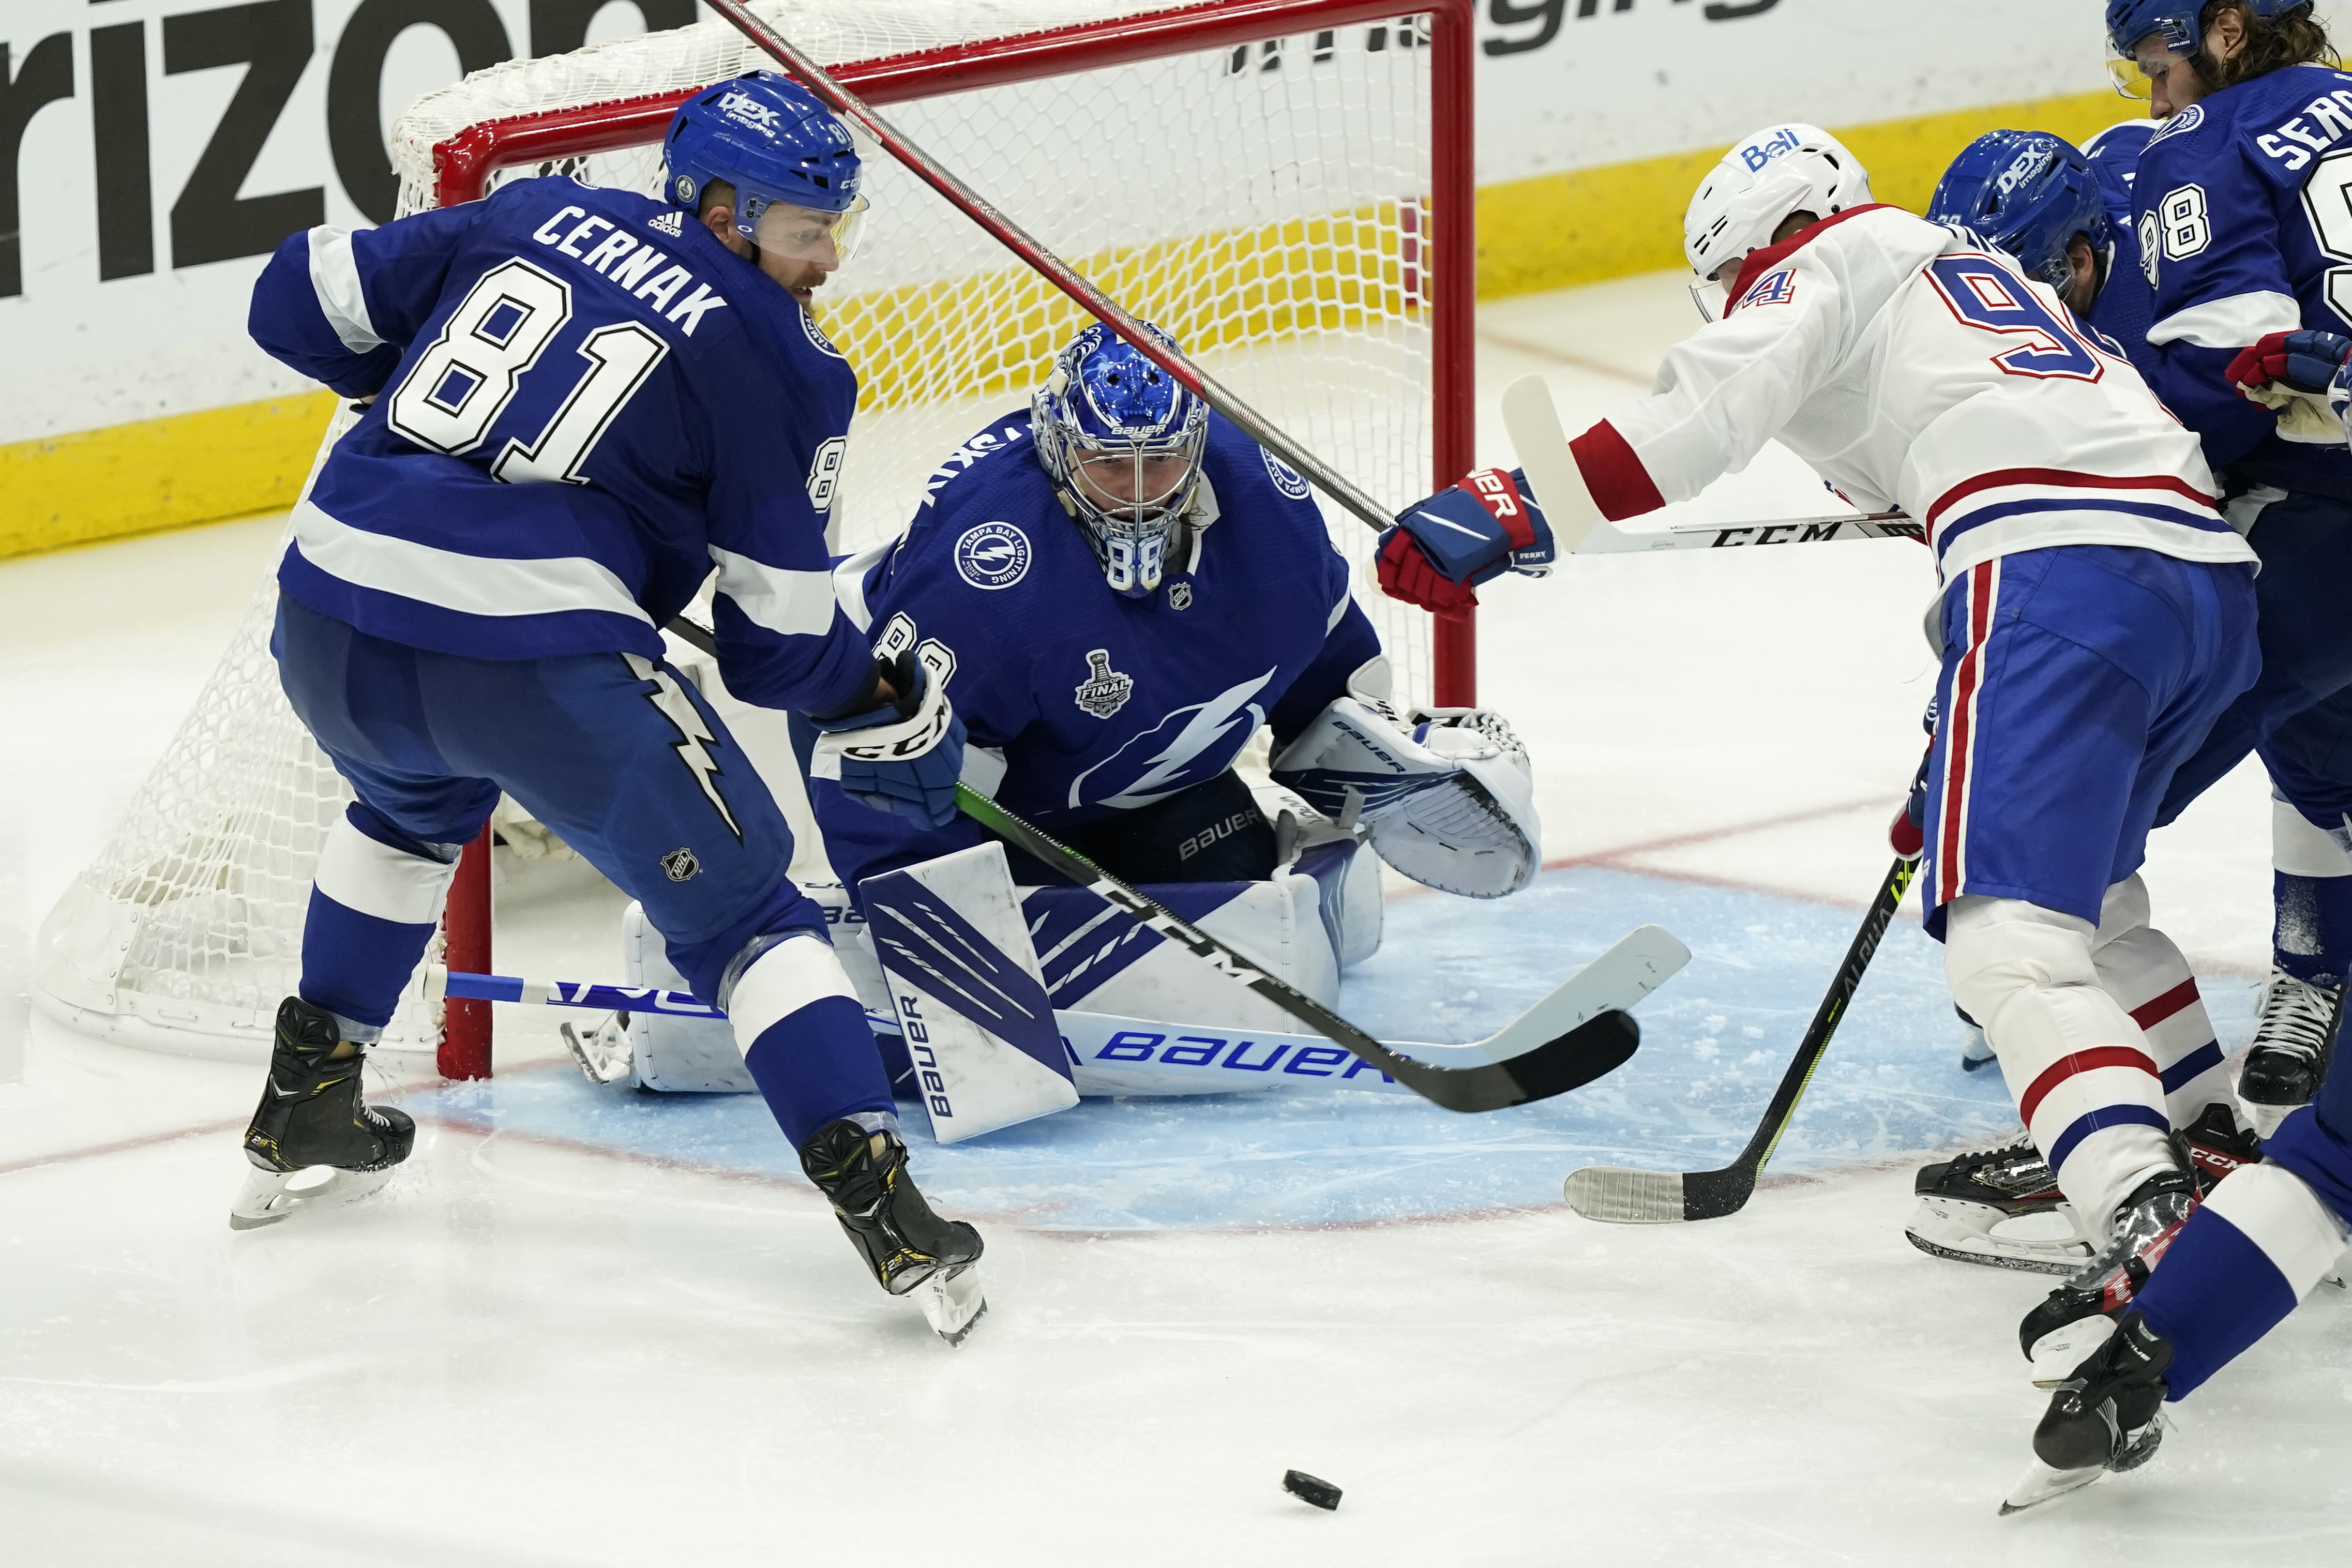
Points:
(770, 137)
(2027, 192)
(2172, 25)
(1124, 441)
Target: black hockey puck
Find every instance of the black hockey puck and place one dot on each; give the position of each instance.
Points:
(1308, 1488)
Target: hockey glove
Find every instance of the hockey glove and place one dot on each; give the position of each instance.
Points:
(2300, 375)
(903, 757)
(1907, 834)
(1440, 549)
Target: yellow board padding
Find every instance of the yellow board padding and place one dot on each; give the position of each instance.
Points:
(1590, 225)
(1356, 269)
(142, 478)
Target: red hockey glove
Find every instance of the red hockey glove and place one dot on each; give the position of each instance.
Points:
(1406, 573)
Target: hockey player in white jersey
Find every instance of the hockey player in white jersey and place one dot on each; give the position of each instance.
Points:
(2096, 611)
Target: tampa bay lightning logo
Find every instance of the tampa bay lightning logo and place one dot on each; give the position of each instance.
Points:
(2180, 124)
(1285, 479)
(993, 555)
(816, 336)
(1189, 745)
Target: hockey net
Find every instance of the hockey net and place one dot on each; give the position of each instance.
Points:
(1283, 184)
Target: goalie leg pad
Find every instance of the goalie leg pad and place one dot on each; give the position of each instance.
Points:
(1449, 802)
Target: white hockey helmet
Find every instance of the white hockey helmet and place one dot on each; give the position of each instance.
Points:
(1779, 170)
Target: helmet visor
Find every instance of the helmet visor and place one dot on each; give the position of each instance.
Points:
(2150, 55)
(803, 234)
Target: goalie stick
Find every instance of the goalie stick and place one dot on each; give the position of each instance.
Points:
(1545, 1051)
(1624, 1196)
(1048, 266)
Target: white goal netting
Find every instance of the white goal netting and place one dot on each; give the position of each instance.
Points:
(1268, 204)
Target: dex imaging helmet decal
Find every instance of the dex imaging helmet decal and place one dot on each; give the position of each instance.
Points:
(993, 555)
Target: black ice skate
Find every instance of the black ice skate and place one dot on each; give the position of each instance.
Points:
(910, 1248)
(313, 1143)
(2106, 1415)
(2002, 1206)
(2056, 1334)
(2292, 1037)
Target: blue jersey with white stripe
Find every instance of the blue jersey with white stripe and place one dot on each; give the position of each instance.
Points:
(2243, 213)
(1100, 703)
(2124, 307)
(584, 404)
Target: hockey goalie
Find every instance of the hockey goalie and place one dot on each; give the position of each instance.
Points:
(1120, 590)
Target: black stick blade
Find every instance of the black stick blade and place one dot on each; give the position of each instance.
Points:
(1598, 1046)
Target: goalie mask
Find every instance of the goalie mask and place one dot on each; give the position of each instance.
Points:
(794, 168)
(1123, 442)
(1778, 171)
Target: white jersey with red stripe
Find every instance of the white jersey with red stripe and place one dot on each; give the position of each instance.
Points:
(1915, 367)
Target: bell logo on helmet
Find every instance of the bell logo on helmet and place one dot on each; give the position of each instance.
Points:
(1756, 155)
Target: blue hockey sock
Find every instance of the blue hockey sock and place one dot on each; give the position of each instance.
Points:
(805, 1040)
(374, 903)
(2312, 936)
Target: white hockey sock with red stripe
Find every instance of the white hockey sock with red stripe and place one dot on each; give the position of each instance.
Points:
(2085, 1085)
(2146, 974)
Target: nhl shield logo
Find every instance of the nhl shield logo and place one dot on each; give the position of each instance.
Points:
(1179, 596)
(1104, 691)
(680, 865)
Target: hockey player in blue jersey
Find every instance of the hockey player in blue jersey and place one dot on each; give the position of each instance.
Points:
(2245, 236)
(581, 401)
(2066, 212)
(1129, 589)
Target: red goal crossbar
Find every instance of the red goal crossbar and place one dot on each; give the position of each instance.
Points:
(463, 163)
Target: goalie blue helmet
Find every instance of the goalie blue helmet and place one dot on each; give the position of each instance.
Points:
(770, 137)
(2175, 27)
(1123, 440)
(2029, 192)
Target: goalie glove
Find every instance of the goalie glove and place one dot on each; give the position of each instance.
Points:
(1446, 796)
(903, 757)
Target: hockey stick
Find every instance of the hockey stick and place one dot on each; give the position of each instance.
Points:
(1048, 266)
(1623, 1197)
(1542, 1052)
(1550, 1049)
(1541, 442)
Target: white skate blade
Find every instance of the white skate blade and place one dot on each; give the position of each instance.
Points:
(2057, 1353)
(952, 1302)
(603, 1053)
(2051, 1242)
(267, 1197)
(2041, 1483)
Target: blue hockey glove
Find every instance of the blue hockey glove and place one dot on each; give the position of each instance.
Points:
(1439, 549)
(903, 757)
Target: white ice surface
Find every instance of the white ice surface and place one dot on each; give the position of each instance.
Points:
(589, 1328)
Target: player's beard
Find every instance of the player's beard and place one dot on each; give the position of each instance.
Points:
(800, 279)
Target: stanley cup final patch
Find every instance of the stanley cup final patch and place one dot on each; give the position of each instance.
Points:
(1104, 691)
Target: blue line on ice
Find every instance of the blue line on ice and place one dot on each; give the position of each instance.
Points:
(1715, 1041)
